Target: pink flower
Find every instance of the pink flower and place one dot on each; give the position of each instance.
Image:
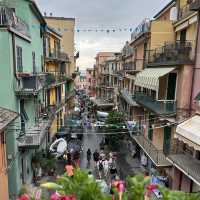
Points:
(55, 196)
(24, 197)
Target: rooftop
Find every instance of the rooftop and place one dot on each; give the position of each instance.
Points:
(59, 18)
(6, 117)
(169, 5)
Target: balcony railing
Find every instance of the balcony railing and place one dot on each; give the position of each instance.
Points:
(54, 78)
(129, 66)
(171, 54)
(185, 161)
(159, 107)
(157, 156)
(185, 11)
(144, 27)
(195, 5)
(8, 18)
(57, 56)
(29, 84)
(34, 136)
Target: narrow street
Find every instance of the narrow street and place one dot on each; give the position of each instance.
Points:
(89, 141)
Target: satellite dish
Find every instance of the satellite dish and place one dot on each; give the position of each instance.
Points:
(173, 14)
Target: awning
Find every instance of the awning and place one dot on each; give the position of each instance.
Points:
(149, 78)
(189, 132)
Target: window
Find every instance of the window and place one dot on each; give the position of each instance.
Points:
(19, 59)
(33, 58)
(23, 114)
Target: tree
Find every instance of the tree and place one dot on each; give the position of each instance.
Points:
(114, 125)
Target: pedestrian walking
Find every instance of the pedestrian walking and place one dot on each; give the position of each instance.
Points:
(106, 167)
(100, 167)
(89, 154)
(117, 186)
(96, 156)
(113, 169)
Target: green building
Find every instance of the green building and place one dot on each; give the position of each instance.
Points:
(22, 84)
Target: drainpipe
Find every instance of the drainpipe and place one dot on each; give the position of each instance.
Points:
(194, 68)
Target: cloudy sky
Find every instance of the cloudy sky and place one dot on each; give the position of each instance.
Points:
(102, 14)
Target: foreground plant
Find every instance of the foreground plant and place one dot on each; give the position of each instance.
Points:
(82, 187)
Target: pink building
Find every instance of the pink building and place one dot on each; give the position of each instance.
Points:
(91, 82)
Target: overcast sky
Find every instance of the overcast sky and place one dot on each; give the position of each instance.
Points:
(102, 14)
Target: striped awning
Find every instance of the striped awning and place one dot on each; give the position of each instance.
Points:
(189, 132)
(149, 78)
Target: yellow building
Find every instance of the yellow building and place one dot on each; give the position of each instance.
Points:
(56, 63)
(65, 26)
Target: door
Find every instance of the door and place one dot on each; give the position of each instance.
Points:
(24, 169)
(171, 89)
(183, 36)
(167, 139)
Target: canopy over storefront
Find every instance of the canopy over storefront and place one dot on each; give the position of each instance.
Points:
(189, 132)
(149, 78)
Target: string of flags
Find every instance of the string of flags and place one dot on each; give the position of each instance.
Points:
(78, 30)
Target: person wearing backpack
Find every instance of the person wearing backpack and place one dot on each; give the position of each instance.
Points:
(100, 167)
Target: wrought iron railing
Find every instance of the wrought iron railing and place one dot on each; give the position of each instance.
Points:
(172, 52)
(164, 107)
(144, 27)
(185, 11)
(53, 78)
(29, 84)
(185, 160)
(57, 55)
(129, 66)
(157, 156)
(9, 18)
(195, 5)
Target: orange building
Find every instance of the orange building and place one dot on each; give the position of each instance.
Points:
(6, 117)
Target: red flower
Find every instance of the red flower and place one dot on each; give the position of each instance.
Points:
(55, 196)
(69, 197)
(24, 197)
(152, 187)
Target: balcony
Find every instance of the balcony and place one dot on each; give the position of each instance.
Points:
(128, 97)
(185, 11)
(9, 19)
(29, 85)
(159, 107)
(143, 28)
(56, 56)
(175, 53)
(129, 66)
(184, 161)
(35, 135)
(195, 5)
(54, 79)
(157, 156)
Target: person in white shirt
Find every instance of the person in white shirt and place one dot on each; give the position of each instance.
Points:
(106, 167)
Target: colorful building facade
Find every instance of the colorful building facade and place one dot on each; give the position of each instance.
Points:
(23, 84)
